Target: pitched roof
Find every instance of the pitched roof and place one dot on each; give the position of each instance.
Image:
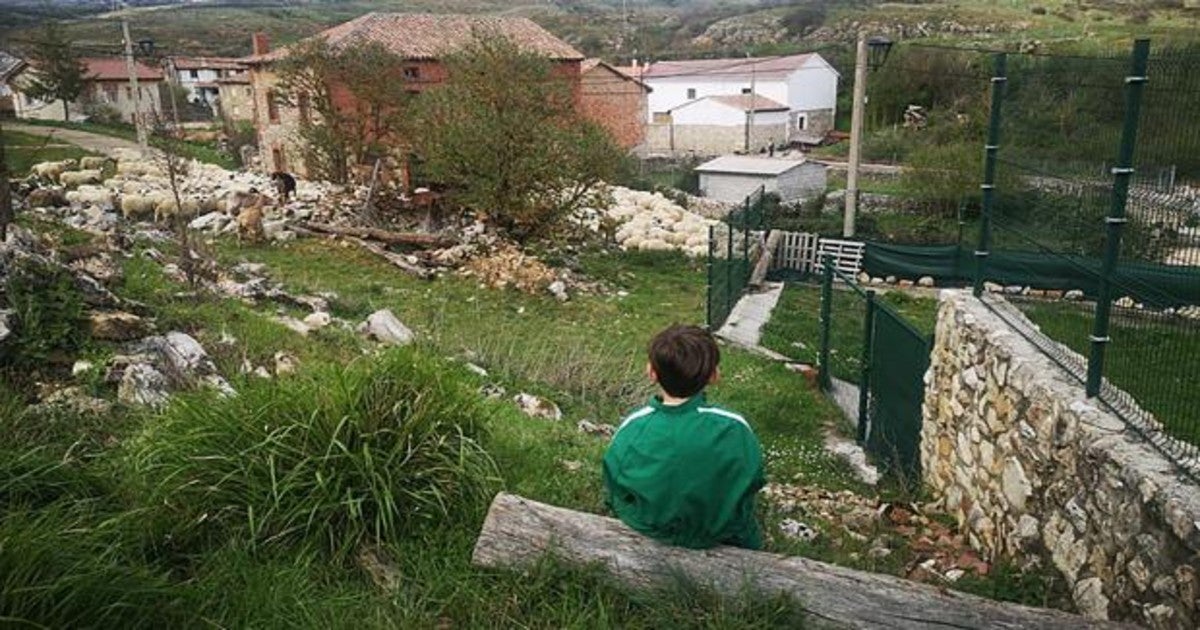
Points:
(591, 64)
(741, 164)
(207, 63)
(114, 69)
(749, 102)
(760, 66)
(9, 65)
(429, 36)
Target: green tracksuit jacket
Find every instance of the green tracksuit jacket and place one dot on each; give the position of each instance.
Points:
(686, 475)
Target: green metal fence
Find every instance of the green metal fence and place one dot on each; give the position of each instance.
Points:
(731, 248)
(866, 343)
(1098, 158)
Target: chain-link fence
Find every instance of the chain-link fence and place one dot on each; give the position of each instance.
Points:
(732, 246)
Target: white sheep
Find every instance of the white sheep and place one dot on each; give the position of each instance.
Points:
(93, 162)
(135, 207)
(52, 170)
(73, 179)
(90, 196)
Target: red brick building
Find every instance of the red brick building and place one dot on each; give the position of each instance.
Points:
(420, 40)
(614, 100)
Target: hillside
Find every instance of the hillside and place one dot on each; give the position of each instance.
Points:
(661, 28)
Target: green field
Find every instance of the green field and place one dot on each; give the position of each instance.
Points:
(22, 151)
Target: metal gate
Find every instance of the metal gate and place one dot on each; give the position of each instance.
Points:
(891, 357)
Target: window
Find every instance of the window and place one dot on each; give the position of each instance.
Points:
(745, 90)
(277, 158)
(272, 107)
(691, 93)
(801, 122)
(128, 93)
(302, 105)
(194, 74)
(249, 92)
(412, 73)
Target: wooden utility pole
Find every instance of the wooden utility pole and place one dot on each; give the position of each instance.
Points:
(753, 106)
(139, 122)
(856, 133)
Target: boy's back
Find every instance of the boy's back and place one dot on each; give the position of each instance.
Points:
(686, 474)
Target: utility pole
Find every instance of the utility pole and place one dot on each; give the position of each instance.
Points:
(138, 122)
(753, 105)
(856, 133)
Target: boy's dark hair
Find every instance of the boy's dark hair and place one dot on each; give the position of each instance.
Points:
(684, 358)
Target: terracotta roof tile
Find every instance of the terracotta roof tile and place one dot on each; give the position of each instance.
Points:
(207, 63)
(591, 64)
(745, 102)
(428, 36)
(114, 69)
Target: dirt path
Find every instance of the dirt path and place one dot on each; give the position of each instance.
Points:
(84, 139)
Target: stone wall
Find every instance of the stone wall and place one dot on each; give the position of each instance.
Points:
(1034, 470)
(704, 140)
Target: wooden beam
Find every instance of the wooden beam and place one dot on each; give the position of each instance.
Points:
(767, 255)
(519, 531)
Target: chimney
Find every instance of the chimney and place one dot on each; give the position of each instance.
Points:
(262, 44)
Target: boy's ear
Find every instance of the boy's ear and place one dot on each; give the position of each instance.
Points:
(715, 377)
(650, 373)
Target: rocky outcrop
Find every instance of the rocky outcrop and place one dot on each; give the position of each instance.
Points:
(384, 327)
(1033, 469)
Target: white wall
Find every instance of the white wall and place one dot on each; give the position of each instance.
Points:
(671, 92)
(813, 86)
(734, 188)
(713, 113)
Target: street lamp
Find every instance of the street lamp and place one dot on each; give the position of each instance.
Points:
(145, 47)
(878, 47)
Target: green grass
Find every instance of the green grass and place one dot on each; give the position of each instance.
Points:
(22, 151)
(795, 329)
(192, 150)
(1157, 361)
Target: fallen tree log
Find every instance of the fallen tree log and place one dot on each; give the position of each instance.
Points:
(395, 259)
(759, 275)
(518, 532)
(383, 236)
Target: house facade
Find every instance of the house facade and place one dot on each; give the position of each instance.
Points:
(615, 101)
(107, 91)
(202, 77)
(806, 84)
(714, 125)
(420, 41)
(10, 66)
(235, 102)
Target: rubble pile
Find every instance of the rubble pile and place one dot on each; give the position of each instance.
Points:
(935, 552)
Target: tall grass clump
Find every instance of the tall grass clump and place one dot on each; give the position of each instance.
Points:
(336, 456)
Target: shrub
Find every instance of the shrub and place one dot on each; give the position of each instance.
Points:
(334, 456)
(49, 316)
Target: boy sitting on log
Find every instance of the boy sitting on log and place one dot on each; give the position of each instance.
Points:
(681, 470)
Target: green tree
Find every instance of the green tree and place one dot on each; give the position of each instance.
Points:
(503, 134)
(350, 101)
(58, 74)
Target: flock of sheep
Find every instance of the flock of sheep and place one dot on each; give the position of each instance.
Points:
(645, 221)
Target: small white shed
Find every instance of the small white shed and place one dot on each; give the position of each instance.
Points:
(732, 178)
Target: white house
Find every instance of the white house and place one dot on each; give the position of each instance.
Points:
(107, 91)
(713, 125)
(202, 76)
(805, 83)
(732, 178)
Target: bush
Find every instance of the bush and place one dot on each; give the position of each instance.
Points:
(335, 456)
(49, 316)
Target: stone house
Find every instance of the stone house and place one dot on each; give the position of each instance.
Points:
(615, 101)
(732, 178)
(107, 88)
(235, 100)
(10, 66)
(202, 77)
(420, 40)
(806, 84)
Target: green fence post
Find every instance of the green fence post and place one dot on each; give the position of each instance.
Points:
(999, 79)
(708, 290)
(823, 371)
(864, 380)
(1122, 174)
(744, 269)
(728, 272)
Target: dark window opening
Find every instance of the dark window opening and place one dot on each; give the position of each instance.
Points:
(272, 107)
(691, 93)
(412, 73)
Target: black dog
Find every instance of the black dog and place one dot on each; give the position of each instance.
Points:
(285, 185)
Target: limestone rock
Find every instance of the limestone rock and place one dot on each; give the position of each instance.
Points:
(536, 407)
(318, 320)
(1073, 294)
(558, 289)
(925, 281)
(142, 384)
(117, 326)
(5, 323)
(1090, 599)
(285, 363)
(1015, 485)
(596, 429)
(382, 326)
